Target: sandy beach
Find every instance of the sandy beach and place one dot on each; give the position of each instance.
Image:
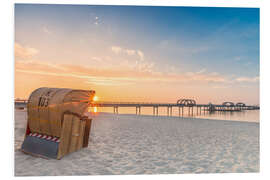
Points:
(130, 144)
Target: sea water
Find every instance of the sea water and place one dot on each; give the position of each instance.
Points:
(244, 115)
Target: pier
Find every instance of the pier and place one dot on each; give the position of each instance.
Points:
(180, 105)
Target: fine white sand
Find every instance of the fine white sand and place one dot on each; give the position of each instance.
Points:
(130, 144)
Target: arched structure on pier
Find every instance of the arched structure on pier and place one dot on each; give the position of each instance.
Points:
(240, 104)
(211, 107)
(228, 104)
(186, 102)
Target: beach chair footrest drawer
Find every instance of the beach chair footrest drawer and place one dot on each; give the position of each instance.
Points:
(40, 147)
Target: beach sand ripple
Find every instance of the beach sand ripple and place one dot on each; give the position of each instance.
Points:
(130, 144)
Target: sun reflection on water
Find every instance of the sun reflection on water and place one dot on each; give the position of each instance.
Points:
(92, 110)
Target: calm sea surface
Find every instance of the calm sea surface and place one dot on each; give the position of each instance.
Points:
(247, 115)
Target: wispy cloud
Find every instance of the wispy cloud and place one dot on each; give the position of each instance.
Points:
(116, 71)
(109, 82)
(22, 52)
(116, 49)
(113, 76)
(46, 30)
(220, 87)
(173, 45)
(198, 49)
(237, 58)
(248, 63)
(201, 71)
(248, 79)
(130, 52)
(141, 54)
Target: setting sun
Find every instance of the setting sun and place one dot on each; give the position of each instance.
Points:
(95, 98)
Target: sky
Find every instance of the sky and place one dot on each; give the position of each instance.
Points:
(139, 53)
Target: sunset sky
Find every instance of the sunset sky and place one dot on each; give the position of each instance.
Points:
(124, 53)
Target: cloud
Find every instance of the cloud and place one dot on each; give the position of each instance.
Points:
(237, 58)
(24, 52)
(143, 73)
(46, 30)
(173, 45)
(97, 59)
(248, 79)
(120, 70)
(199, 49)
(116, 49)
(220, 87)
(201, 71)
(141, 55)
(120, 63)
(129, 52)
(108, 82)
(248, 63)
(206, 77)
